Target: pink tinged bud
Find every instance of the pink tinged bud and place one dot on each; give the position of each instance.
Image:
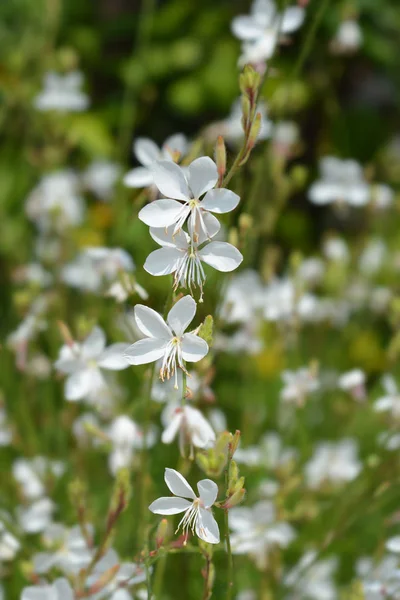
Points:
(220, 157)
(234, 500)
(254, 131)
(162, 532)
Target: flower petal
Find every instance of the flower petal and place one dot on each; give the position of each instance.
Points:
(177, 484)
(208, 491)
(94, 344)
(181, 315)
(79, 384)
(145, 351)
(193, 347)
(202, 175)
(113, 357)
(163, 261)
(175, 143)
(166, 237)
(246, 27)
(208, 228)
(170, 180)
(63, 589)
(293, 18)
(151, 323)
(207, 527)
(169, 433)
(146, 151)
(161, 213)
(169, 505)
(138, 177)
(220, 201)
(221, 255)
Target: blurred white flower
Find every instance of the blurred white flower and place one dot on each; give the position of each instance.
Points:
(126, 437)
(240, 306)
(336, 249)
(341, 181)
(182, 190)
(59, 590)
(348, 37)
(333, 462)
(312, 579)
(381, 580)
(285, 135)
(37, 516)
(191, 426)
(260, 31)
(232, 130)
(128, 574)
(149, 154)
(382, 195)
(167, 340)
(298, 385)
(34, 274)
(372, 258)
(6, 434)
(391, 400)
(282, 302)
(62, 93)
(31, 474)
(83, 363)
(353, 382)
(198, 516)
(55, 203)
(100, 178)
(256, 531)
(69, 550)
(9, 544)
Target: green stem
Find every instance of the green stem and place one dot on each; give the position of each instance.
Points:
(229, 588)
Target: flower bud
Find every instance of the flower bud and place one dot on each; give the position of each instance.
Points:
(254, 131)
(162, 533)
(234, 442)
(220, 157)
(234, 500)
(249, 82)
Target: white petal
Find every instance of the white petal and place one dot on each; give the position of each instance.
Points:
(169, 506)
(43, 562)
(203, 175)
(393, 544)
(146, 151)
(207, 527)
(210, 224)
(163, 261)
(138, 177)
(166, 237)
(113, 357)
(63, 589)
(208, 491)
(161, 213)
(220, 201)
(175, 143)
(246, 28)
(145, 351)
(182, 314)
(293, 17)
(194, 348)
(79, 384)
(169, 434)
(177, 484)
(94, 344)
(324, 192)
(170, 180)
(42, 592)
(151, 323)
(221, 255)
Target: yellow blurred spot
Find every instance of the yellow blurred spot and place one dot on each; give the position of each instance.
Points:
(100, 216)
(366, 352)
(270, 362)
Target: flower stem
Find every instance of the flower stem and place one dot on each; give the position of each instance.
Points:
(229, 588)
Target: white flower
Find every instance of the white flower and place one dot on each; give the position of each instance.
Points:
(55, 203)
(9, 545)
(312, 579)
(167, 340)
(256, 531)
(373, 256)
(148, 154)
(37, 516)
(83, 363)
(341, 180)
(391, 400)
(69, 550)
(333, 462)
(100, 178)
(33, 273)
(380, 580)
(348, 37)
(187, 187)
(393, 544)
(382, 195)
(243, 298)
(282, 302)
(336, 249)
(190, 424)
(232, 129)
(62, 93)
(126, 436)
(198, 516)
(31, 474)
(128, 574)
(59, 590)
(261, 29)
(353, 382)
(182, 255)
(298, 385)
(6, 434)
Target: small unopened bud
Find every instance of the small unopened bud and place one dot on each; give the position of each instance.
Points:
(246, 111)
(220, 157)
(120, 498)
(249, 82)
(65, 333)
(254, 131)
(162, 532)
(233, 473)
(233, 446)
(223, 441)
(236, 486)
(234, 500)
(104, 580)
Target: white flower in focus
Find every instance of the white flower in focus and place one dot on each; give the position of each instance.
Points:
(59, 590)
(69, 550)
(341, 181)
(183, 191)
(100, 178)
(191, 426)
(260, 31)
(167, 340)
(298, 385)
(333, 462)
(181, 255)
(83, 363)
(198, 516)
(62, 93)
(391, 400)
(256, 531)
(149, 154)
(348, 37)
(55, 203)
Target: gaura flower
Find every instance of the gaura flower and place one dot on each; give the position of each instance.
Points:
(198, 516)
(59, 590)
(148, 154)
(167, 340)
(62, 93)
(189, 424)
(182, 255)
(188, 186)
(341, 181)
